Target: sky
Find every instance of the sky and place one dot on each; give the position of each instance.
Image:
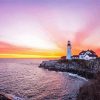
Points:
(41, 28)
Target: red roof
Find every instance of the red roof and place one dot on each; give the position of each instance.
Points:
(75, 56)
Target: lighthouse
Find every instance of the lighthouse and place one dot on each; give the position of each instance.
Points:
(68, 55)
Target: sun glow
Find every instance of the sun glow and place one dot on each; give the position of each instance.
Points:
(33, 41)
(27, 56)
(42, 29)
(27, 33)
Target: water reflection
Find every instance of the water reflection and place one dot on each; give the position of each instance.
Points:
(23, 78)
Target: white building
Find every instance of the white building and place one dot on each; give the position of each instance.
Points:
(86, 55)
(68, 55)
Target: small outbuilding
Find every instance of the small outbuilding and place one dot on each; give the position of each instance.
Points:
(75, 57)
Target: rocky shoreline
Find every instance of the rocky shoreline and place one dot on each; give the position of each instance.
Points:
(87, 69)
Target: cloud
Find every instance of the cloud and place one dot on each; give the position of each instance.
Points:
(87, 31)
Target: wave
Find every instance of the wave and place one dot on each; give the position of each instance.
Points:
(77, 76)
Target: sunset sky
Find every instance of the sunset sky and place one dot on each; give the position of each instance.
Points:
(41, 28)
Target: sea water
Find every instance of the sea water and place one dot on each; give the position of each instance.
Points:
(24, 80)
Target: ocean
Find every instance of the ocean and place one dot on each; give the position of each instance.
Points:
(22, 79)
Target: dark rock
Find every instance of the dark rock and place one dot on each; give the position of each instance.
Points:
(84, 68)
(2, 97)
(90, 91)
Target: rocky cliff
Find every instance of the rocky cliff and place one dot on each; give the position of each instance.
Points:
(84, 68)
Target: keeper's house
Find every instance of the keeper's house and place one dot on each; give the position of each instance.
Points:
(86, 55)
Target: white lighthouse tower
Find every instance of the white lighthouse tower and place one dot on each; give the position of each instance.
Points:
(68, 55)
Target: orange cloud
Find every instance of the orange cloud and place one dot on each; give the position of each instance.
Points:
(11, 51)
